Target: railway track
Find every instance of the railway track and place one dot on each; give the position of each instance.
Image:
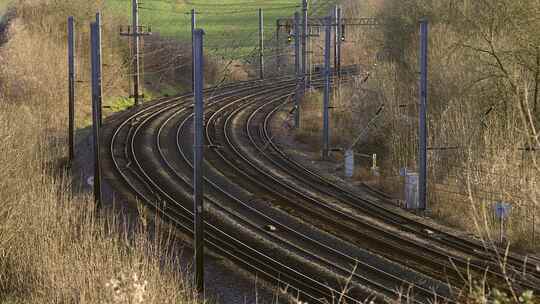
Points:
(316, 245)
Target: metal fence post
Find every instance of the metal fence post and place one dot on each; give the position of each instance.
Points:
(261, 44)
(71, 88)
(299, 92)
(198, 150)
(96, 112)
(423, 132)
(326, 103)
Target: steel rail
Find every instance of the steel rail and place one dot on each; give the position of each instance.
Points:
(245, 205)
(188, 184)
(277, 181)
(424, 248)
(149, 200)
(403, 222)
(391, 239)
(351, 259)
(216, 242)
(244, 219)
(171, 116)
(147, 115)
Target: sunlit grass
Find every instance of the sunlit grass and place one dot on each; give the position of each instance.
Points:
(231, 26)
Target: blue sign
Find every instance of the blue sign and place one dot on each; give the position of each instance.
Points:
(502, 210)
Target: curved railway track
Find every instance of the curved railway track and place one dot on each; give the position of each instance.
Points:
(251, 183)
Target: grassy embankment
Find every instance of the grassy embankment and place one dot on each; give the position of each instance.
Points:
(231, 39)
(53, 246)
(231, 26)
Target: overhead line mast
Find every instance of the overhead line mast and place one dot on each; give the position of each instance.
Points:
(135, 31)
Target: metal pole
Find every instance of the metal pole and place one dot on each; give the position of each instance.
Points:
(422, 149)
(336, 35)
(338, 42)
(326, 103)
(534, 225)
(304, 45)
(299, 92)
(136, 57)
(99, 69)
(193, 22)
(193, 26)
(501, 231)
(198, 150)
(261, 44)
(95, 49)
(278, 47)
(71, 86)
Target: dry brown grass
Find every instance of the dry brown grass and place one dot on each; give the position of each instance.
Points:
(167, 62)
(352, 109)
(53, 247)
(483, 100)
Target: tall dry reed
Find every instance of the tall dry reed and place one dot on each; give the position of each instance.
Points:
(54, 248)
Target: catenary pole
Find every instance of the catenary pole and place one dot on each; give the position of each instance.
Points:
(278, 46)
(193, 26)
(261, 43)
(99, 68)
(305, 28)
(326, 103)
(299, 92)
(338, 42)
(96, 112)
(422, 151)
(136, 50)
(71, 88)
(336, 33)
(193, 22)
(198, 150)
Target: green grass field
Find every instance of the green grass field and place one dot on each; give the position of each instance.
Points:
(231, 26)
(3, 5)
